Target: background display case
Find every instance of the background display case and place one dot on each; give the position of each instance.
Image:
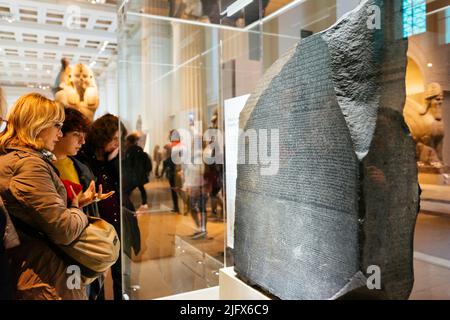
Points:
(190, 72)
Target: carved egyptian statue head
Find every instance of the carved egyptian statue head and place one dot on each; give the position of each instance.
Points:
(82, 77)
(80, 90)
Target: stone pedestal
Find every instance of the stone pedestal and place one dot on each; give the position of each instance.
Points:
(232, 288)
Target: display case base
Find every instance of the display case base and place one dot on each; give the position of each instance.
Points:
(232, 288)
(203, 294)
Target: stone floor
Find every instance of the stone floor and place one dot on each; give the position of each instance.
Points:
(158, 271)
(432, 235)
(432, 244)
(431, 282)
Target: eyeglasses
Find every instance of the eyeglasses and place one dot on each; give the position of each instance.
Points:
(3, 124)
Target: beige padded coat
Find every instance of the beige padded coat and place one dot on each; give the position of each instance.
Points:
(32, 191)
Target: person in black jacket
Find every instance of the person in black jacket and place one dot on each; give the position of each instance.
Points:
(101, 154)
(170, 168)
(137, 167)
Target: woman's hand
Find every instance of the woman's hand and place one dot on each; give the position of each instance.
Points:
(75, 200)
(90, 196)
(100, 196)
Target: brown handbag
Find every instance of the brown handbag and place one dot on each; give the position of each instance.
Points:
(94, 251)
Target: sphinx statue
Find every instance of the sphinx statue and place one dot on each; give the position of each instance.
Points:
(426, 125)
(79, 90)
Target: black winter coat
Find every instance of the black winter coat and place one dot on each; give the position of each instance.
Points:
(137, 166)
(107, 174)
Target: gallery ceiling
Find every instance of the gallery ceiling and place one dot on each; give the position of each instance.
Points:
(35, 35)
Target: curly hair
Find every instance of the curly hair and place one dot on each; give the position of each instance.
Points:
(102, 131)
(75, 121)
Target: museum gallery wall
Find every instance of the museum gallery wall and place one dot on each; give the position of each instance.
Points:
(345, 197)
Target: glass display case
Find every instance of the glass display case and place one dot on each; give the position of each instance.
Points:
(185, 75)
(174, 76)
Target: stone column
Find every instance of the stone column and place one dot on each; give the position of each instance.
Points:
(157, 94)
(190, 76)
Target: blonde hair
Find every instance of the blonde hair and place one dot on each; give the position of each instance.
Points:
(30, 114)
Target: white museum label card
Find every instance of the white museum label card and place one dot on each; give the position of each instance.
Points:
(233, 108)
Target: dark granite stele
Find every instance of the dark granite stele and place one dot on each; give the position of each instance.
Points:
(346, 195)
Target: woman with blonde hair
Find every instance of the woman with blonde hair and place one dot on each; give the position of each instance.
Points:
(35, 197)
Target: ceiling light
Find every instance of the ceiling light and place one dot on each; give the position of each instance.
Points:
(236, 7)
(103, 48)
(429, 65)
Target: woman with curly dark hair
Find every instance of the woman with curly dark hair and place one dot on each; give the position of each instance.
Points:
(101, 154)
